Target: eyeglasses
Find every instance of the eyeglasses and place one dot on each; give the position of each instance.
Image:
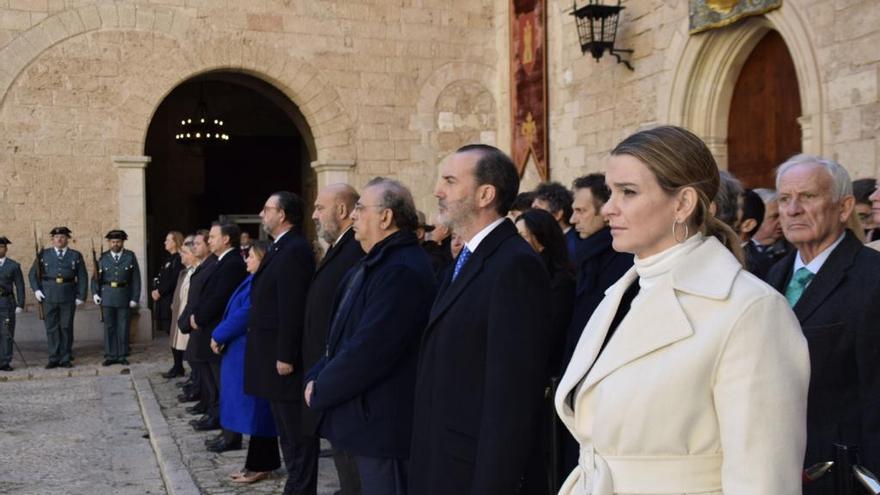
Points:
(267, 207)
(358, 207)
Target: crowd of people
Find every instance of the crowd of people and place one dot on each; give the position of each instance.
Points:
(653, 329)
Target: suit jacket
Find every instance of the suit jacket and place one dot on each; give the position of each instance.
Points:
(196, 285)
(166, 282)
(701, 389)
(840, 316)
(217, 286)
(364, 385)
(275, 328)
(119, 282)
(757, 261)
(598, 268)
(481, 372)
(63, 280)
(319, 307)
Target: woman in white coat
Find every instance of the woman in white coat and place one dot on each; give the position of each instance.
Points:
(692, 374)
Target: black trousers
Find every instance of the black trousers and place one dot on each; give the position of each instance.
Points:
(208, 391)
(214, 404)
(300, 454)
(346, 468)
(382, 476)
(262, 454)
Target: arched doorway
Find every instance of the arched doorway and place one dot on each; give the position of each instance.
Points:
(763, 129)
(270, 148)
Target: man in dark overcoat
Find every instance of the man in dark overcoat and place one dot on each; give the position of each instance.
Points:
(484, 352)
(832, 282)
(363, 386)
(332, 216)
(273, 358)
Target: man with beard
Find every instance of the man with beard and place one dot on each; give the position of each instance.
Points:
(273, 358)
(483, 358)
(332, 216)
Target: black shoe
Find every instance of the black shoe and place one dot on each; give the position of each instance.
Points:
(188, 397)
(66, 364)
(213, 440)
(207, 423)
(123, 361)
(6, 367)
(172, 373)
(223, 446)
(51, 366)
(108, 362)
(197, 409)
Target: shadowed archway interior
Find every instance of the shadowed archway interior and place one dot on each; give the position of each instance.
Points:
(269, 149)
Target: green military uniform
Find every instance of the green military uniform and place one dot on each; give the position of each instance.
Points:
(117, 286)
(11, 297)
(64, 281)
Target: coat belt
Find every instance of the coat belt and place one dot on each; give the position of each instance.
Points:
(606, 475)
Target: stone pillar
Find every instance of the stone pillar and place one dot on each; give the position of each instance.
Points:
(332, 172)
(130, 172)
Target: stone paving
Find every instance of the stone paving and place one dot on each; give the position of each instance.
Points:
(92, 416)
(80, 435)
(211, 471)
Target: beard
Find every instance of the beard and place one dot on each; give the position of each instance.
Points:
(454, 214)
(329, 232)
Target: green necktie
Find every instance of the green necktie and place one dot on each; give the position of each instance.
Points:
(798, 284)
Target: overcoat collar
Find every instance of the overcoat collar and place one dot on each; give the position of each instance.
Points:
(347, 237)
(274, 248)
(657, 321)
(832, 273)
(450, 290)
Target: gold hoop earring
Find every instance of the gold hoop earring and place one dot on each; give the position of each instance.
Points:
(686, 231)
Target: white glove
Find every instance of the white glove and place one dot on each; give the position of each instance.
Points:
(78, 302)
(17, 310)
(97, 299)
(39, 295)
(132, 304)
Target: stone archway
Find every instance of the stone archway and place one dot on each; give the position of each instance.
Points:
(704, 69)
(107, 145)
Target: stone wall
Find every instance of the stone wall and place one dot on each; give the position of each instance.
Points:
(386, 86)
(391, 87)
(686, 80)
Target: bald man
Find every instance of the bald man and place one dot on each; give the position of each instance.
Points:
(332, 216)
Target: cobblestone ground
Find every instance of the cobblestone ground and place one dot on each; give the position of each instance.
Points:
(80, 430)
(211, 471)
(80, 435)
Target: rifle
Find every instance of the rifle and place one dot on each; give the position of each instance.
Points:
(97, 269)
(38, 262)
(8, 323)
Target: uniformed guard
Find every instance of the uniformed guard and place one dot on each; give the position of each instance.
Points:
(117, 289)
(60, 287)
(11, 303)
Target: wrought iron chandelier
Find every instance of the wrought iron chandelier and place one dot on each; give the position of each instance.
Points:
(201, 128)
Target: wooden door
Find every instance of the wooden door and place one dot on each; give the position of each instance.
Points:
(762, 128)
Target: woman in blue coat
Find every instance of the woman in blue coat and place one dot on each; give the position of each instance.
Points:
(240, 412)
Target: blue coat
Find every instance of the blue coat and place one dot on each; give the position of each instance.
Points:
(239, 411)
(364, 385)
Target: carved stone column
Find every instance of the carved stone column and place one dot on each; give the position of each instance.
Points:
(332, 172)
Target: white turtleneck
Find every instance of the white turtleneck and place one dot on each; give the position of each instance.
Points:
(651, 269)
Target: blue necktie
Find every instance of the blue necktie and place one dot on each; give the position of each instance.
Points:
(798, 284)
(459, 263)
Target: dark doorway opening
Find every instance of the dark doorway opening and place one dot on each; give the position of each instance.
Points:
(763, 130)
(270, 148)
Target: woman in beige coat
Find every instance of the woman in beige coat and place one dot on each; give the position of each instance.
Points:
(691, 376)
(177, 338)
